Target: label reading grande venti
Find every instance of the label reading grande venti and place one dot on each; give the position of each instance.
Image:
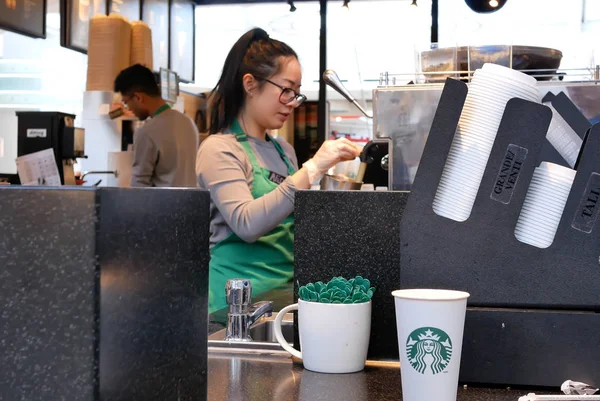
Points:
(37, 133)
(589, 206)
(507, 177)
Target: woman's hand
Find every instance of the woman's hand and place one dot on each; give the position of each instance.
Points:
(329, 154)
(334, 151)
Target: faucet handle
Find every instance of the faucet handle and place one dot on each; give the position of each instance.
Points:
(238, 292)
(258, 310)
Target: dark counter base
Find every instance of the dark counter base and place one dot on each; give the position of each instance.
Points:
(530, 347)
(103, 294)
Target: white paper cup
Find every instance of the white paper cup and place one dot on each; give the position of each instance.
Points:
(489, 91)
(544, 204)
(509, 73)
(558, 171)
(430, 327)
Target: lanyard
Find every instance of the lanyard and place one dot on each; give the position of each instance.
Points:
(161, 109)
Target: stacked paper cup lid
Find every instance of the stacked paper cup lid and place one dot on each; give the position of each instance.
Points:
(489, 91)
(108, 51)
(544, 204)
(563, 138)
(141, 44)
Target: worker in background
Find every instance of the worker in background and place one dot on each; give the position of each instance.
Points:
(165, 147)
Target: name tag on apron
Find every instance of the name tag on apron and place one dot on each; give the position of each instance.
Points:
(276, 178)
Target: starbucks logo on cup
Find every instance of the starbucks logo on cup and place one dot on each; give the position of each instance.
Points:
(429, 350)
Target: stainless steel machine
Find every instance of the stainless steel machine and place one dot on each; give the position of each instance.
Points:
(404, 114)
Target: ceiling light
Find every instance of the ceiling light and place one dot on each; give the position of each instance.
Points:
(485, 6)
(414, 3)
(346, 4)
(292, 6)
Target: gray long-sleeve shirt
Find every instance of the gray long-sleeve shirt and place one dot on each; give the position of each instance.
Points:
(224, 168)
(164, 152)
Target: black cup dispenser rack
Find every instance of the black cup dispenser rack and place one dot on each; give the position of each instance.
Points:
(533, 316)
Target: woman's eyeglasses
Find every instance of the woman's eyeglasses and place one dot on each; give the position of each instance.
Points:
(288, 95)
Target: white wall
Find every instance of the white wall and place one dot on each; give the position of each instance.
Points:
(62, 71)
(61, 74)
(8, 141)
(219, 27)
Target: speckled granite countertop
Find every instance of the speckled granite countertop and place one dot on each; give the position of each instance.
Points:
(235, 376)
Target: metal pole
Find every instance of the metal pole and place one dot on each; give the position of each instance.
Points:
(322, 133)
(434, 21)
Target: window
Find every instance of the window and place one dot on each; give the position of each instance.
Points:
(365, 39)
(546, 23)
(299, 29)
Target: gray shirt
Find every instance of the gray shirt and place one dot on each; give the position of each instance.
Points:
(164, 151)
(224, 168)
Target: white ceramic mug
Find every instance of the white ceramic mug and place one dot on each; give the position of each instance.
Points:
(334, 337)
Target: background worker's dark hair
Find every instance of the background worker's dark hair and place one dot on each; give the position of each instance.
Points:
(137, 78)
(254, 53)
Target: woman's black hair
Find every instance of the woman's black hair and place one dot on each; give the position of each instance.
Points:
(254, 53)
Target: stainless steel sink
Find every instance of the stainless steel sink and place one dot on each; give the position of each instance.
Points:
(262, 333)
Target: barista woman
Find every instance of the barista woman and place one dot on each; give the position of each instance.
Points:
(251, 176)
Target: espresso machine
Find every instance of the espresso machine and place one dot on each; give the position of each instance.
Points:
(377, 153)
(40, 130)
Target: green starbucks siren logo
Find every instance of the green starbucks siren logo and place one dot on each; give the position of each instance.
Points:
(429, 349)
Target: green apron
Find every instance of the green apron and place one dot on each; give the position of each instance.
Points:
(268, 262)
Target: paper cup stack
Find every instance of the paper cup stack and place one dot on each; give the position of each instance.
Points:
(141, 44)
(108, 51)
(490, 89)
(563, 138)
(544, 204)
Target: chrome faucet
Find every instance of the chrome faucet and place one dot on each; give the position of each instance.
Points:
(242, 314)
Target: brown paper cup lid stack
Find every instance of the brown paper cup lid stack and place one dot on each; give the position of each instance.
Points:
(141, 44)
(109, 51)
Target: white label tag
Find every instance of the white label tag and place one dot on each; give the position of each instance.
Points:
(37, 133)
(103, 109)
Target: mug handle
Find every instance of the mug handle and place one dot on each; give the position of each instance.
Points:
(279, 335)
